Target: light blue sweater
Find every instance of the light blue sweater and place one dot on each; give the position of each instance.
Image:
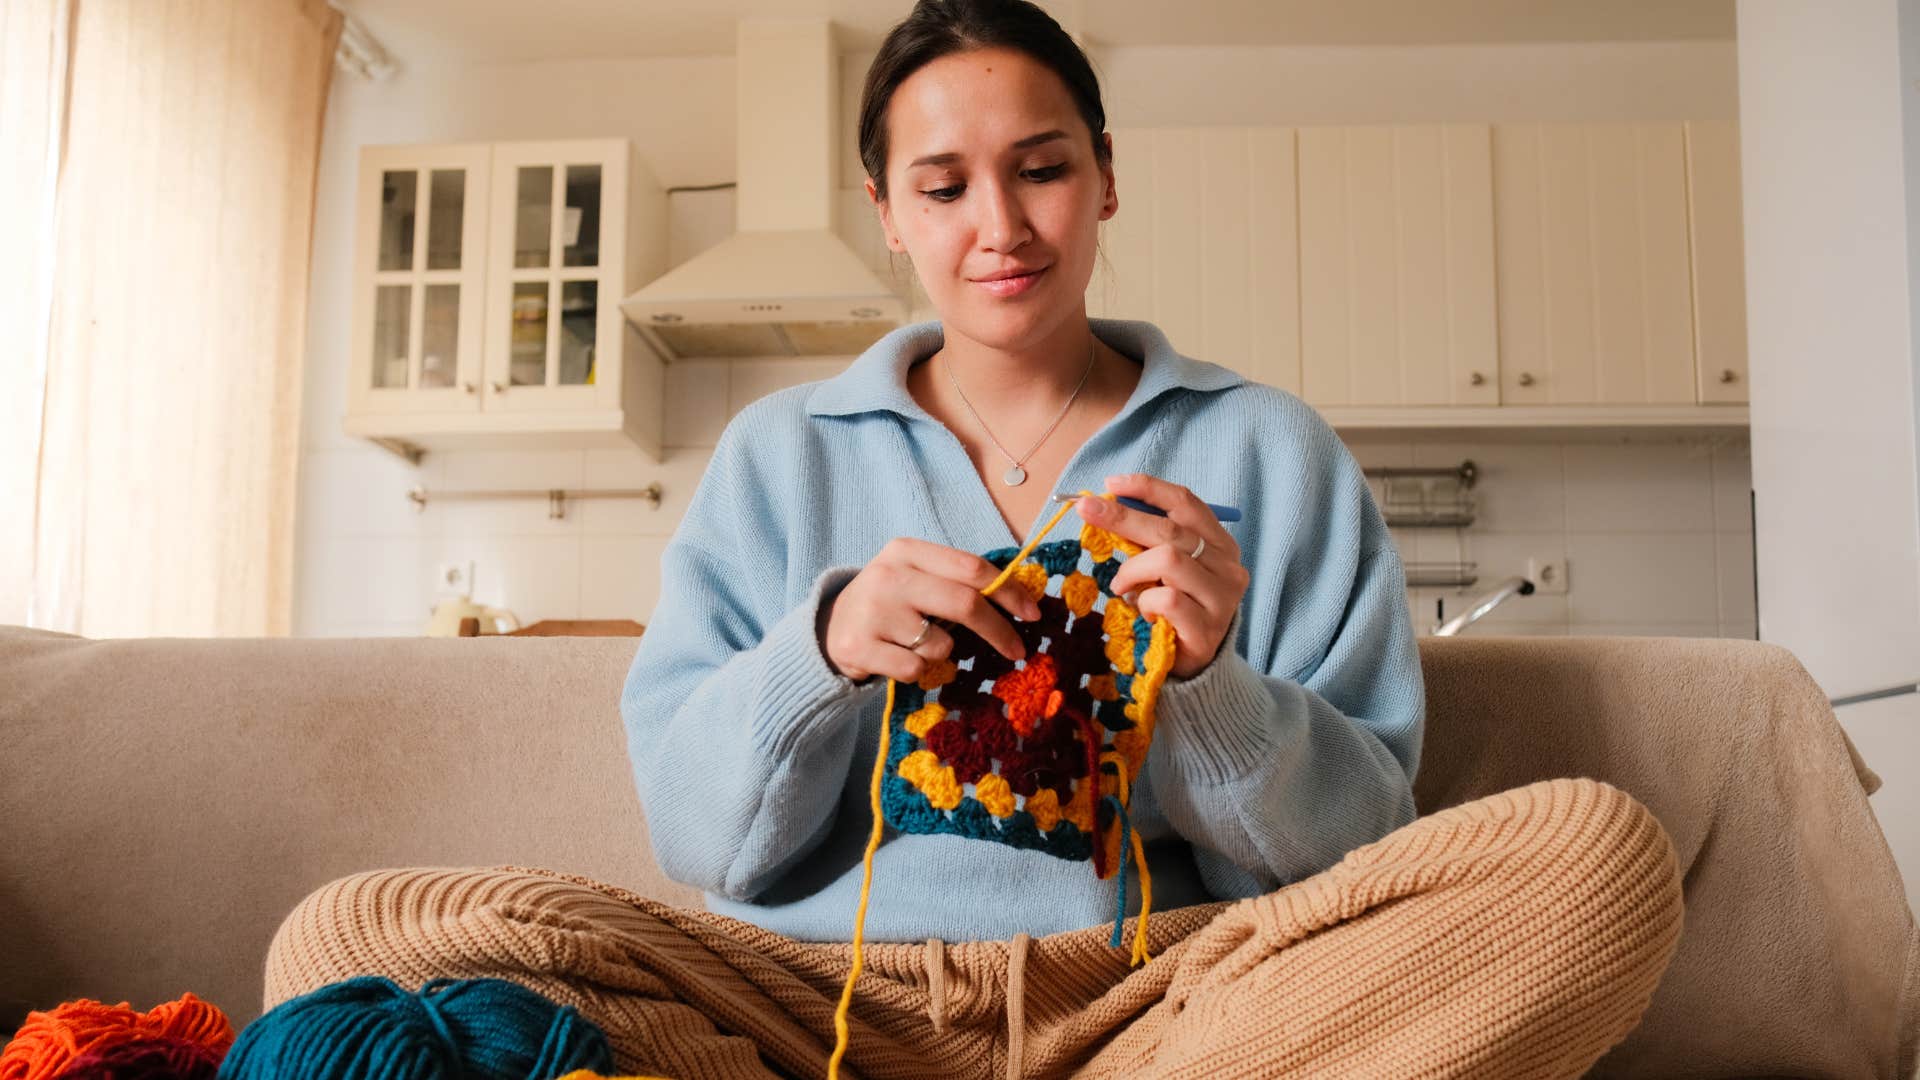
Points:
(753, 757)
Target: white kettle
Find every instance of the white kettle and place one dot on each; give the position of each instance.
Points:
(445, 621)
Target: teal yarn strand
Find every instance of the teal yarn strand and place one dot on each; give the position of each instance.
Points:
(1126, 844)
(369, 1027)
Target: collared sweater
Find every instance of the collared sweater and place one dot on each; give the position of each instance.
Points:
(752, 756)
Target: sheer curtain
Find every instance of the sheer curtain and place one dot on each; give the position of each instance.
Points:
(153, 405)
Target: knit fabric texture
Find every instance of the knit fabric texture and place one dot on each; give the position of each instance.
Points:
(1517, 935)
(753, 757)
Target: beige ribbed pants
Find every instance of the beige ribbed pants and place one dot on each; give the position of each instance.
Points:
(1518, 935)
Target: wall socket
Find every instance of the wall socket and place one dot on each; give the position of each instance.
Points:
(1548, 575)
(453, 579)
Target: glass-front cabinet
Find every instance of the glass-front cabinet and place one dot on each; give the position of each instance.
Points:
(488, 283)
(423, 231)
(555, 301)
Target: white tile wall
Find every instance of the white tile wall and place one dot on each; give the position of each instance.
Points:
(368, 558)
(1655, 531)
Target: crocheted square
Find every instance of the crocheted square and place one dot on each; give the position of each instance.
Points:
(1041, 753)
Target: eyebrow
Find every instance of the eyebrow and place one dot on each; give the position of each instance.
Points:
(950, 157)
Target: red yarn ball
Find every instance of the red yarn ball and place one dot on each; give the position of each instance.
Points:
(150, 1057)
(50, 1041)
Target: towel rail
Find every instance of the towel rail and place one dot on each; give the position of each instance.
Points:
(557, 498)
(1876, 695)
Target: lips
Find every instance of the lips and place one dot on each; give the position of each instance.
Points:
(1012, 285)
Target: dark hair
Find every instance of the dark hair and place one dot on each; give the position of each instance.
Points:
(937, 28)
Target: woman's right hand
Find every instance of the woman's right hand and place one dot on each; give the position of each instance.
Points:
(865, 630)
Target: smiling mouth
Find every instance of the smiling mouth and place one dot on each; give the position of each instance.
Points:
(1011, 286)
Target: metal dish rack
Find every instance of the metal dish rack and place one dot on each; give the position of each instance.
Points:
(1431, 498)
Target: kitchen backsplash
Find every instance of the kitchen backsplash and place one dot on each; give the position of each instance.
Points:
(1655, 532)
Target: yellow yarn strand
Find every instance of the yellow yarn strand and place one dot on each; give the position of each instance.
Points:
(841, 1032)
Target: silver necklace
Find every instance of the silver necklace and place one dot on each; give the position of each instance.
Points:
(1016, 473)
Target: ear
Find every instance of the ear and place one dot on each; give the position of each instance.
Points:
(1110, 201)
(886, 216)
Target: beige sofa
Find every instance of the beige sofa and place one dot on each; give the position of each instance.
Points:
(164, 802)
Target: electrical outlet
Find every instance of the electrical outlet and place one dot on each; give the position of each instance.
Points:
(1548, 575)
(453, 579)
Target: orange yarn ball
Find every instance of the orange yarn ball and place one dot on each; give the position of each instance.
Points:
(50, 1040)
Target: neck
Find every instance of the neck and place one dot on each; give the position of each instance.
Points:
(1031, 378)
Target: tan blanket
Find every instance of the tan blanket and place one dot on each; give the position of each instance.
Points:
(1800, 956)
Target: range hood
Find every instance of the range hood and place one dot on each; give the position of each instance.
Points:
(784, 284)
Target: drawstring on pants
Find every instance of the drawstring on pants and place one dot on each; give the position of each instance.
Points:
(1017, 1005)
(937, 984)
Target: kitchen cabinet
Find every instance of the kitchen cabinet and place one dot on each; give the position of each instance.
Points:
(487, 282)
(1595, 283)
(1445, 275)
(1719, 263)
(1205, 245)
(1396, 266)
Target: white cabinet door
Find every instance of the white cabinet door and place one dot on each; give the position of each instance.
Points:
(1396, 266)
(1204, 245)
(420, 241)
(1595, 282)
(556, 272)
(1719, 263)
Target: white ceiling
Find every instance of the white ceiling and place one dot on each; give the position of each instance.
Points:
(513, 30)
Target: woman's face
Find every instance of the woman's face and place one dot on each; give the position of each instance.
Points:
(1012, 185)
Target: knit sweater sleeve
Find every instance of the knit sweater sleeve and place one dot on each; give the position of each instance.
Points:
(739, 732)
(1301, 741)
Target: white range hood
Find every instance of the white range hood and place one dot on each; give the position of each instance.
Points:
(784, 284)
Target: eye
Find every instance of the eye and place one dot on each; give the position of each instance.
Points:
(1046, 173)
(945, 194)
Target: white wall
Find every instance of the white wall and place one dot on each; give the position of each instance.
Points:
(1831, 298)
(366, 556)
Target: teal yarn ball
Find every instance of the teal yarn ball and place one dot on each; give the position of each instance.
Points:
(369, 1027)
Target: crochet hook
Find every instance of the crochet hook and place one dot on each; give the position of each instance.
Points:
(1224, 513)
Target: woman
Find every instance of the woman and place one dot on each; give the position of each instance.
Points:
(1306, 921)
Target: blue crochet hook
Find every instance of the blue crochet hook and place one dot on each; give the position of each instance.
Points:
(1224, 513)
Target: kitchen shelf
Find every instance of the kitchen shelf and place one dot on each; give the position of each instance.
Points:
(1427, 497)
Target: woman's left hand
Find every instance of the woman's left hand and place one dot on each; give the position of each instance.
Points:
(1197, 596)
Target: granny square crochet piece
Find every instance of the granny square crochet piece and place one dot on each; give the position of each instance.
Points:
(1039, 754)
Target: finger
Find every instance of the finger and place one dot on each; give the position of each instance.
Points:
(897, 663)
(1165, 566)
(968, 569)
(1147, 530)
(950, 600)
(903, 625)
(1183, 507)
(1191, 623)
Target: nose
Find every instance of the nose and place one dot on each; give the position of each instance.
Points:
(1003, 221)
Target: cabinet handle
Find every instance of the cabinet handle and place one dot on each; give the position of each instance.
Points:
(1526, 378)
(1728, 376)
(1478, 379)
(499, 387)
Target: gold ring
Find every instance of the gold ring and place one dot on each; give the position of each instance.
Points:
(1198, 548)
(925, 625)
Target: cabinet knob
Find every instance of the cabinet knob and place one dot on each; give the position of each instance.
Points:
(1728, 376)
(1478, 379)
(469, 387)
(499, 387)
(1526, 378)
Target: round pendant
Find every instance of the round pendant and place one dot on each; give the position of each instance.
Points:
(1014, 477)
